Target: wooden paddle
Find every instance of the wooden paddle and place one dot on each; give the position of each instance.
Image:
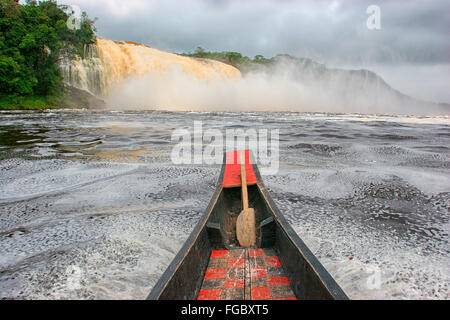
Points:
(245, 224)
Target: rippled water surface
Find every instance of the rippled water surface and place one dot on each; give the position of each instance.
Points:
(91, 207)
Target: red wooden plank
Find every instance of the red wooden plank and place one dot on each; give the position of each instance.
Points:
(234, 283)
(232, 175)
(255, 252)
(211, 294)
(273, 261)
(238, 274)
(261, 293)
(219, 254)
(258, 272)
(215, 274)
(277, 281)
(236, 262)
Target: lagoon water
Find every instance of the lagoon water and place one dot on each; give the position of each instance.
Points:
(91, 206)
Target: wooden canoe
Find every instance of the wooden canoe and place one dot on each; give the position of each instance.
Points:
(212, 266)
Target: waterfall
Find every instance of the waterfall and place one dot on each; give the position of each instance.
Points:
(85, 74)
(107, 63)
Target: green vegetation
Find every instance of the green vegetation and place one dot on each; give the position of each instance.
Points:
(28, 102)
(33, 38)
(235, 59)
(259, 62)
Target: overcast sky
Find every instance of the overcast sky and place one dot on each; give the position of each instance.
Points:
(414, 33)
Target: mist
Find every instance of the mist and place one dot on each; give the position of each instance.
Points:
(286, 87)
(424, 82)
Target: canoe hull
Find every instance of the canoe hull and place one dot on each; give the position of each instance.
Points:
(216, 230)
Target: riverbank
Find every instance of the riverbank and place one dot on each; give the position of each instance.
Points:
(69, 97)
(28, 103)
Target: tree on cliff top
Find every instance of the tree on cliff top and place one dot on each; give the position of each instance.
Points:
(32, 38)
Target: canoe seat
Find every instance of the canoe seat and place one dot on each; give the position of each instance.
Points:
(245, 274)
(214, 225)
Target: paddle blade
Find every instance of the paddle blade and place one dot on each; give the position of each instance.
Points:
(245, 228)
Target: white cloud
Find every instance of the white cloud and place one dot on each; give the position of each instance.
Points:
(116, 8)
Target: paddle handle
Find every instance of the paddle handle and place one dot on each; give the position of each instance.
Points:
(244, 181)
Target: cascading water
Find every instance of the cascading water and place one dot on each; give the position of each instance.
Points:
(85, 74)
(107, 63)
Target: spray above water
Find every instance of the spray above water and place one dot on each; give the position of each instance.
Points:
(132, 76)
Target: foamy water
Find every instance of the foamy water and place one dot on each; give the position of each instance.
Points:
(92, 207)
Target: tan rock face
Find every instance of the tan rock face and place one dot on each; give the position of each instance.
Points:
(109, 63)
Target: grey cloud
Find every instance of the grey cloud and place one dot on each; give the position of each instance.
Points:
(414, 32)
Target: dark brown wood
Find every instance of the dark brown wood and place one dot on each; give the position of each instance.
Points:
(244, 183)
(245, 223)
(248, 278)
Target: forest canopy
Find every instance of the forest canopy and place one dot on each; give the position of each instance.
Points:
(33, 38)
(235, 59)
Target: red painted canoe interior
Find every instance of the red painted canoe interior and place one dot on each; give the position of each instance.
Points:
(232, 175)
(242, 273)
(245, 274)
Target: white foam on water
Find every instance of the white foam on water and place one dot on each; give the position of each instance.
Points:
(82, 228)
